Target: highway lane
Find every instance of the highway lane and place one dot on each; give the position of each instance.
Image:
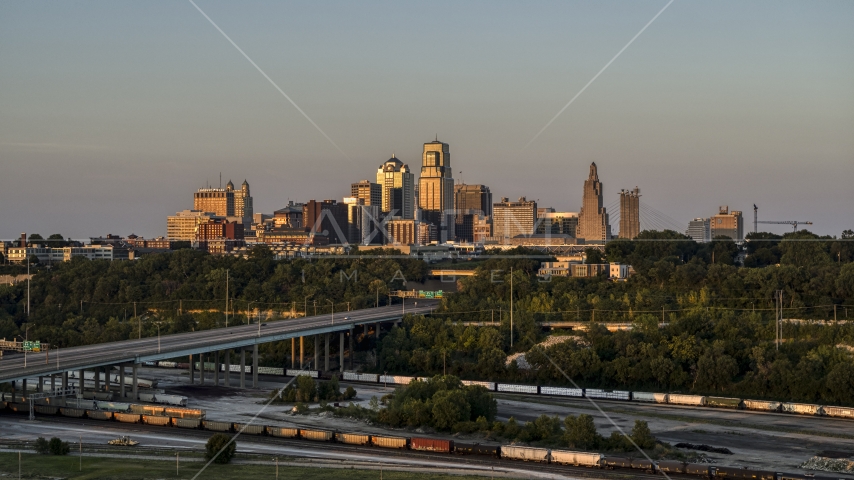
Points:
(180, 344)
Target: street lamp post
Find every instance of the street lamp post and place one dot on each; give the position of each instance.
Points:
(333, 310)
(305, 306)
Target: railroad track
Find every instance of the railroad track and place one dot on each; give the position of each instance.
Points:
(483, 462)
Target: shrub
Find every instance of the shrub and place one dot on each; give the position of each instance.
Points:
(58, 447)
(42, 446)
(219, 444)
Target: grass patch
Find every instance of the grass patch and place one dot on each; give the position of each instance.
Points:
(43, 466)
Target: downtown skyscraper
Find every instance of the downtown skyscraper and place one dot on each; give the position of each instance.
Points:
(436, 189)
(397, 186)
(593, 224)
(629, 213)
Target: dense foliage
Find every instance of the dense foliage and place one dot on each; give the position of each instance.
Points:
(304, 389)
(220, 448)
(441, 402)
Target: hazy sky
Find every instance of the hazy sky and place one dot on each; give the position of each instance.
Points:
(112, 113)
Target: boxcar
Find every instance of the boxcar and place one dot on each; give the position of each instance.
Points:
(156, 420)
(353, 438)
(724, 402)
(431, 445)
(528, 454)
(562, 391)
(186, 422)
(801, 408)
(283, 432)
(72, 412)
(698, 469)
(216, 426)
(249, 429)
(671, 466)
(585, 459)
(613, 395)
(389, 442)
(762, 405)
(127, 417)
(743, 473)
(99, 415)
(476, 449)
(316, 435)
(843, 412)
(617, 462)
(46, 409)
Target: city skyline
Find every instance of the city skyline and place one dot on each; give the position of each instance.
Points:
(728, 104)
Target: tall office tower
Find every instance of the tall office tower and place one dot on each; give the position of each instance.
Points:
(727, 224)
(397, 185)
(242, 200)
(436, 189)
(699, 229)
(219, 201)
(629, 213)
(593, 224)
(510, 219)
(363, 221)
(327, 218)
(368, 191)
(557, 223)
(476, 199)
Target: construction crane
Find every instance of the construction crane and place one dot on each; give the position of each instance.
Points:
(793, 223)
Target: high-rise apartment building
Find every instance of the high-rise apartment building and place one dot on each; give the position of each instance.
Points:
(183, 225)
(700, 230)
(475, 199)
(219, 201)
(593, 224)
(510, 219)
(436, 189)
(629, 213)
(242, 200)
(402, 232)
(397, 185)
(727, 224)
(368, 191)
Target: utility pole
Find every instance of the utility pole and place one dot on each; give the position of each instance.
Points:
(139, 321)
(28, 297)
(226, 298)
(80, 443)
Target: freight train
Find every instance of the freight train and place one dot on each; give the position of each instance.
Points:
(195, 419)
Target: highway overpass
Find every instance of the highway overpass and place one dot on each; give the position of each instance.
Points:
(131, 353)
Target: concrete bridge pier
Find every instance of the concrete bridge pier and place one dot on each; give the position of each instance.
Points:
(352, 351)
(97, 380)
(24, 393)
(64, 385)
(227, 368)
(122, 382)
(255, 366)
(39, 386)
(341, 352)
(135, 389)
(326, 353)
(242, 368)
(52, 383)
(316, 363)
(293, 352)
(192, 371)
(216, 367)
(81, 380)
(201, 369)
(301, 352)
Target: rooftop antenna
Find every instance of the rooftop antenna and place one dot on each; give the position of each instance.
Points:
(437, 137)
(220, 179)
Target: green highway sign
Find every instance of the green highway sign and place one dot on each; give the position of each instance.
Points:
(32, 346)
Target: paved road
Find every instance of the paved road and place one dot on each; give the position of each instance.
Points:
(180, 344)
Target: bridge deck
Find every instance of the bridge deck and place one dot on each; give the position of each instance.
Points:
(180, 344)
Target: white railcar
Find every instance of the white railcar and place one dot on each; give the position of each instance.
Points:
(528, 454)
(511, 388)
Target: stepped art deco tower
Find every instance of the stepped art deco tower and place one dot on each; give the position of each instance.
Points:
(436, 189)
(593, 224)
